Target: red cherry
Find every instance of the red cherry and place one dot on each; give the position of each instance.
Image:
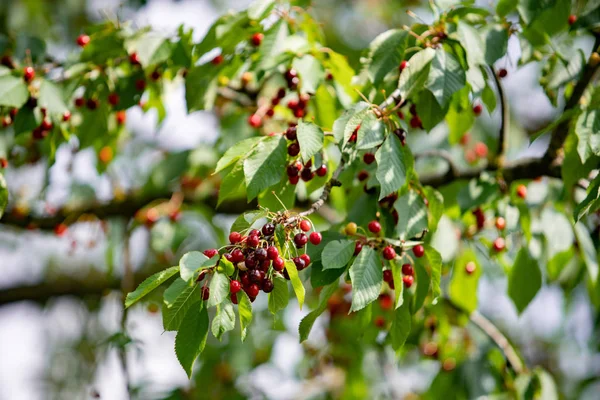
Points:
(254, 121)
(465, 138)
(3, 162)
(155, 75)
(140, 84)
(374, 226)
(237, 256)
(113, 99)
(419, 250)
(502, 73)
(408, 280)
(257, 39)
(500, 223)
(272, 253)
(293, 149)
(408, 269)
(379, 322)
(235, 237)
(298, 113)
(363, 175)
(290, 133)
(233, 298)
(403, 65)
(481, 150)
(79, 102)
(389, 253)
(300, 240)
(121, 117)
(268, 229)
(270, 112)
(477, 109)
(387, 275)
(499, 244)
(386, 302)
(83, 40)
(470, 267)
(357, 248)
(306, 259)
(253, 241)
(217, 60)
(66, 116)
(133, 59)
(201, 276)
(368, 158)
(315, 238)
(235, 286)
(322, 170)
(294, 179)
(415, 122)
(307, 174)
(522, 191)
(60, 229)
(299, 262)
(205, 293)
(305, 225)
(28, 74)
(253, 290)
(267, 285)
(278, 264)
(46, 124)
(572, 19)
(92, 104)
(210, 253)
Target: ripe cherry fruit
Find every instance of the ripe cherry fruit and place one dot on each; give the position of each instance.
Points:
(300, 240)
(253, 290)
(66, 116)
(322, 170)
(368, 158)
(121, 117)
(408, 269)
(237, 256)
(306, 258)
(481, 150)
(278, 264)
(502, 73)
(267, 285)
(357, 247)
(235, 237)
(268, 229)
(293, 149)
(470, 267)
(408, 280)
(272, 253)
(217, 60)
(403, 65)
(315, 238)
(389, 253)
(210, 253)
(499, 244)
(418, 250)
(572, 19)
(60, 229)
(28, 74)
(477, 109)
(235, 286)
(374, 226)
(205, 293)
(500, 223)
(522, 191)
(254, 121)
(305, 225)
(387, 275)
(252, 241)
(83, 40)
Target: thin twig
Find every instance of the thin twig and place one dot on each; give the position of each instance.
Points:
(504, 120)
(127, 285)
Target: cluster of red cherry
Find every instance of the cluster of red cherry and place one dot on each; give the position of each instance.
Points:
(256, 259)
(296, 169)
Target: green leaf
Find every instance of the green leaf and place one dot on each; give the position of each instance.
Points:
(367, 278)
(591, 203)
(265, 166)
(292, 271)
(259, 9)
(219, 289)
(191, 338)
(246, 220)
(477, 192)
(423, 282)
(52, 98)
(445, 77)
(325, 107)
(435, 207)
(13, 91)
(201, 87)
(151, 49)
(415, 75)
(463, 287)
(400, 328)
(191, 263)
(489, 98)
(572, 168)
(460, 116)
(589, 19)
(307, 322)
(588, 251)
(145, 287)
(386, 52)
(340, 126)
(173, 291)
(337, 254)
(233, 185)
(496, 42)
(172, 316)
(273, 45)
(505, 7)
(473, 44)
(525, 280)
(434, 261)
(279, 297)
(245, 312)
(310, 72)
(398, 283)
(227, 266)
(371, 133)
(394, 162)
(3, 195)
(412, 215)
(224, 320)
(310, 139)
(587, 129)
(428, 109)
(237, 151)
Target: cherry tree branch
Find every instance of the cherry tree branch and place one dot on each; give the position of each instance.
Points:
(504, 119)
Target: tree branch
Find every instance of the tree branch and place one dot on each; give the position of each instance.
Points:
(559, 135)
(125, 208)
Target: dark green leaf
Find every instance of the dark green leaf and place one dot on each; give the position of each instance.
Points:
(525, 280)
(145, 287)
(265, 166)
(192, 262)
(415, 75)
(371, 133)
(463, 286)
(400, 328)
(219, 289)
(588, 251)
(292, 271)
(337, 254)
(191, 338)
(279, 297)
(13, 91)
(367, 278)
(310, 139)
(307, 322)
(412, 215)
(591, 203)
(445, 77)
(201, 87)
(245, 312)
(172, 316)
(587, 129)
(224, 320)
(385, 54)
(394, 162)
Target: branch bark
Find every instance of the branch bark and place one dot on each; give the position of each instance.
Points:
(504, 119)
